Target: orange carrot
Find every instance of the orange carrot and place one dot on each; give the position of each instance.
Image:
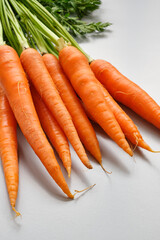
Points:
(127, 125)
(15, 85)
(52, 130)
(87, 113)
(83, 126)
(76, 67)
(8, 148)
(125, 91)
(34, 66)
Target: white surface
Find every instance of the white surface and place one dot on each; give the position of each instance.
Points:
(125, 205)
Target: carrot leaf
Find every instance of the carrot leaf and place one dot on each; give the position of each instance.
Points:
(78, 27)
(79, 8)
(69, 13)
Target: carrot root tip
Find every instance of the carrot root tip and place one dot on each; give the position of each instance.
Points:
(144, 145)
(86, 189)
(17, 213)
(154, 151)
(131, 153)
(89, 166)
(71, 196)
(105, 169)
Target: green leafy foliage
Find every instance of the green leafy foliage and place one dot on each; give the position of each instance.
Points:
(79, 7)
(78, 27)
(70, 12)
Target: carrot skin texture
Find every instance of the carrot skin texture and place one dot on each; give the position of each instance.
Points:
(127, 125)
(76, 67)
(83, 126)
(127, 92)
(8, 147)
(16, 88)
(34, 66)
(52, 130)
(88, 114)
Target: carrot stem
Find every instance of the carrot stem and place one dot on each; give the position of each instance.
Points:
(1, 34)
(51, 48)
(52, 24)
(13, 23)
(40, 33)
(39, 40)
(44, 44)
(16, 27)
(40, 26)
(42, 14)
(6, 25)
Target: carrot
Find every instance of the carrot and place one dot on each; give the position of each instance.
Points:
(15, 85)
(52, 130)
(8, 148)
(127, 125)
(76, 67)
(83, 126)
(87, 113)
(125, 91)
(34, 66)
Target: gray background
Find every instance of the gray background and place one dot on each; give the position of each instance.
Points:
(125, 205)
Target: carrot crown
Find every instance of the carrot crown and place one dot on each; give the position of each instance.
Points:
(43, 31)
(46, 24)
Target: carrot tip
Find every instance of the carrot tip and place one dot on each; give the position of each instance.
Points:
(147, 147)
(105, 169)
(71, 196)
(17, 213)
(130, 150)
(141, 143)
(154, 151)
(144, 145)
(86, 189)
(89, 166)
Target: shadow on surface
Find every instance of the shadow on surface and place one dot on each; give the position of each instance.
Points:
(36, 172)
(108, 154)
(141, 123)
(139, 153)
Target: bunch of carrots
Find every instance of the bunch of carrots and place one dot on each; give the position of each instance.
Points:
(41, 73)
